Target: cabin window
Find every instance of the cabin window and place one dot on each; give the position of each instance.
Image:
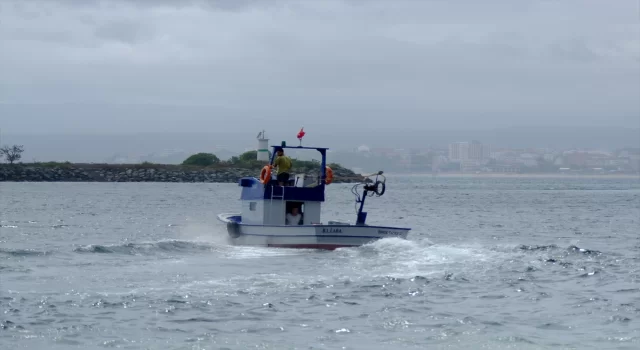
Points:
(300, 211)
(292, 204)
(252, 206)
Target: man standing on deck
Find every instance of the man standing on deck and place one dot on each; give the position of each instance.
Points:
(283, 163)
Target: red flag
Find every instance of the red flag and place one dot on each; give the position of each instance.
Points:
(301, 134)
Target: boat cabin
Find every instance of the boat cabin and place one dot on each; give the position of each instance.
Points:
(266, 202)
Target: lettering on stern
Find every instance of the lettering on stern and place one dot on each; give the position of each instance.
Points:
(331, 230)
(390, 232)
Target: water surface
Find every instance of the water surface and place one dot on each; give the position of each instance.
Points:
(490, 263)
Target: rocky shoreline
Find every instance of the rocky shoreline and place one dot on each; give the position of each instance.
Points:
(139, 173)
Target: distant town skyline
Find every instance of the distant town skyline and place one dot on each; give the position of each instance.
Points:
(175, 147)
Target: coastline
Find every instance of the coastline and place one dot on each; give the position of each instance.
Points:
(69, 172)
(148, 172)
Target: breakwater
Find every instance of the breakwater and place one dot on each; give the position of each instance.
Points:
(141, 173)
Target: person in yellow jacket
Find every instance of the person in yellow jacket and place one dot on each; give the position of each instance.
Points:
(283, 163)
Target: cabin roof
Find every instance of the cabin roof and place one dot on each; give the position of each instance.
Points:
(300, 147)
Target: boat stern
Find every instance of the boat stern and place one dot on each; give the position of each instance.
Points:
(233, 223)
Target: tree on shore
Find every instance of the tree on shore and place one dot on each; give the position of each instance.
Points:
(202, 159)
(13, 153)
(248, 158)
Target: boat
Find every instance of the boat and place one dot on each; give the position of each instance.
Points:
(263, 219)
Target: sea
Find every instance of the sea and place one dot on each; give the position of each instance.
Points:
(490, 263)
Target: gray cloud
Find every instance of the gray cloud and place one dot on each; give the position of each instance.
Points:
(431, 63)
(126, 31)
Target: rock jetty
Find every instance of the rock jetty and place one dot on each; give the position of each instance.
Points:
(67, 172)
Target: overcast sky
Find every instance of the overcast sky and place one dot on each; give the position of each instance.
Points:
(171, 65)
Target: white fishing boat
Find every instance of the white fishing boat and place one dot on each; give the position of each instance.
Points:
(288, 215)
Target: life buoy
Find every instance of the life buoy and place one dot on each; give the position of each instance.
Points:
(265, 174)
(329, 178)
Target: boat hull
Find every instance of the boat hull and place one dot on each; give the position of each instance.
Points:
(307, 236)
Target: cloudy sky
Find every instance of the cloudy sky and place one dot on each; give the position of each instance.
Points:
(172, 65)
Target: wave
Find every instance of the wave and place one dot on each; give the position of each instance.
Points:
(555, 248)
(24, 252)
(405, 259)
(147, 248)
(397, 258)
(189, 246)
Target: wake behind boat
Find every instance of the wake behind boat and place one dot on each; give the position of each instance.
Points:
(287, 214)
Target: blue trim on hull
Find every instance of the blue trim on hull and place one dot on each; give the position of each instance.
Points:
(315, 236)
(237, 219)
(331, 226)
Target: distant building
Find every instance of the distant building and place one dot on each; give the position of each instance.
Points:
(549, 157)
(474, 150)
(478, 151)
(505, 168)
(634, 162)
(363, 148)
(576, 159)
(458, 151)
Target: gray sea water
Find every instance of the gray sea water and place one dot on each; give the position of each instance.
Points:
(490, 263)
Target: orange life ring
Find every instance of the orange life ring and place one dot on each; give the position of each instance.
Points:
(265, 174)
(329, 178)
